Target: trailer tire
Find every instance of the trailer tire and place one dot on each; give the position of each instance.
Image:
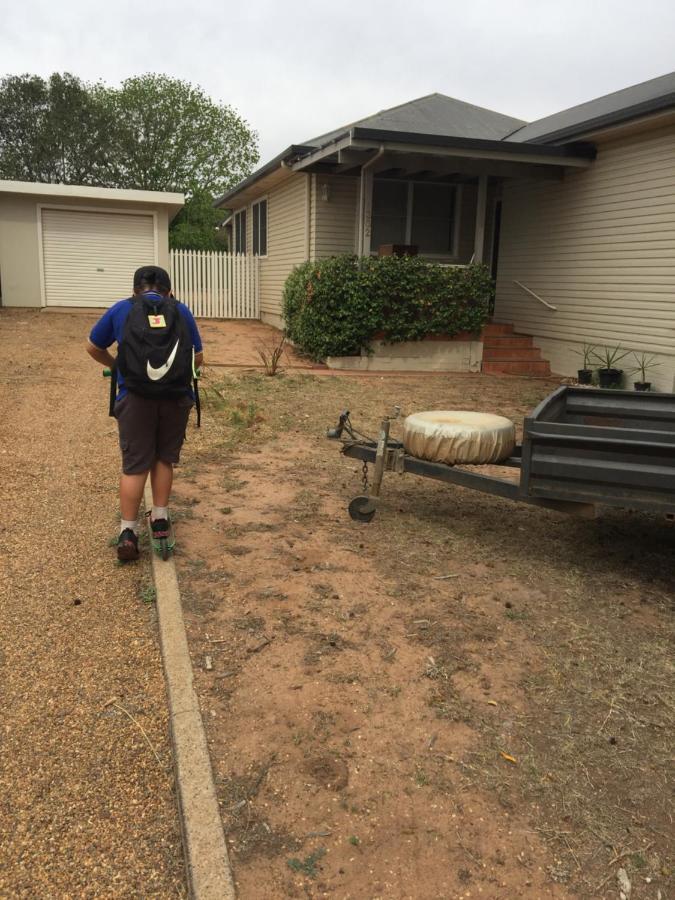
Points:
(459, 437)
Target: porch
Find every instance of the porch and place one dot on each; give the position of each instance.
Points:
(439, 197)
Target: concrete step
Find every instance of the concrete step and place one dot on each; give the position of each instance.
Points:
(497, 354)
(497, 328)
(507, 340)
(540, 367)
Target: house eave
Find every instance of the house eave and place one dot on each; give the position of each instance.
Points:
(231, 199)
(573, 155)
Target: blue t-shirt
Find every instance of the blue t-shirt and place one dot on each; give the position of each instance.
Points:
(110, 328)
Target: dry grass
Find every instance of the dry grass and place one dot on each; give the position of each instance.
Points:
(553, 644)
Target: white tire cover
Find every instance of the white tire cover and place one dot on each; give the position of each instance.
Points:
(449, 436)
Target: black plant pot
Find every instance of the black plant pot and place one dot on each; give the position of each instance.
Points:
(642, 385)
(610, 378)
(585, 376)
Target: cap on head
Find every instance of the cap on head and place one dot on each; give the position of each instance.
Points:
(152, 276)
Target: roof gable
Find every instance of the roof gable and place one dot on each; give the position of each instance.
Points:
(434, 114)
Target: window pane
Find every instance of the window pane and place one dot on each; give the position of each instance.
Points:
(390, 199)
(433, 217)
(263, 228)
(256, 224)
(241, 232)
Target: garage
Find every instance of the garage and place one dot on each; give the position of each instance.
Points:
(89, 257)
(72, 246)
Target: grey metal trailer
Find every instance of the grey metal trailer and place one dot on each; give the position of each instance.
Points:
(582, 447)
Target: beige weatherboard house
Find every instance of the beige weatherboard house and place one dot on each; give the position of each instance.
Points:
(74, 246)
(574, 213)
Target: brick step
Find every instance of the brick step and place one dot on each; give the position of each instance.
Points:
(539, 367)
(502, 354)
(497, 328)
(507, 340)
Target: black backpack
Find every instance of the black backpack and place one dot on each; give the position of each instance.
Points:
(155, 355)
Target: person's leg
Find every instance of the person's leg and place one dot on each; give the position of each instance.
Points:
(131, 493)
(161, 479)
(137, 422)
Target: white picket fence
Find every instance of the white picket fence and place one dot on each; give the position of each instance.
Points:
(217, 285)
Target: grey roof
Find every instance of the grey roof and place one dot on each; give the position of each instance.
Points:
(639, 99)
(433, 114)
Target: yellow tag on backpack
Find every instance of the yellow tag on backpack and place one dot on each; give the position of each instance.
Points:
(157, 321)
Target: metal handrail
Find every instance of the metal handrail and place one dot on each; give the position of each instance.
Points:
(536, 296)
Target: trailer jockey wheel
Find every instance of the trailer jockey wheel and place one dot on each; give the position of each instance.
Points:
(362, 509)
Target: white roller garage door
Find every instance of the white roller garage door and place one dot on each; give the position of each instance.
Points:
(90, 257)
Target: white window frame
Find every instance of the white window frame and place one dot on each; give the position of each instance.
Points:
(237, 213)
(454, 252)
(267, 222)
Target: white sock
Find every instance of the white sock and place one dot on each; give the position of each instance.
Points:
(159, 512)
(129, 523)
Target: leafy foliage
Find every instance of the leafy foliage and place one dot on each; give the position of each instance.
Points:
(152, 133)
(336, 306)
(169, 135)
(196, 225)
(51, 130)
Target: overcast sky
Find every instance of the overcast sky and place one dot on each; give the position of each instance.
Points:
(294, 70)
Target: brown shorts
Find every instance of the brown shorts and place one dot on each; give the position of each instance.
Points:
(150, 429)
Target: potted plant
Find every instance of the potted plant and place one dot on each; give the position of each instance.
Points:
(608, 373)
(643, 363)
(587, 353)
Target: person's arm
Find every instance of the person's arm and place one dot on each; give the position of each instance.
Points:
(102, 335)
(101, 356)
(196, 337)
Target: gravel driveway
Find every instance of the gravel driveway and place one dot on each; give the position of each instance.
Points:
(86, 809)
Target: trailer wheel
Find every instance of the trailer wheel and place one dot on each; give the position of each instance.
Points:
(362, 509)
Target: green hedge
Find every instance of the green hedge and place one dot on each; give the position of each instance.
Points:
(335, 306)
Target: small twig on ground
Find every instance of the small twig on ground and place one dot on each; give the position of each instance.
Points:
(607, 717)
(630, 853)
(444, 577)
(117, 705)
(259, 647)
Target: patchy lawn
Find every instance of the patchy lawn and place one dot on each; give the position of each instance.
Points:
(465, 698)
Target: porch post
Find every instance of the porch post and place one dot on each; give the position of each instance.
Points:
(481, 208)
(367, 223)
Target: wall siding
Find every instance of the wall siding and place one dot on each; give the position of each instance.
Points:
(600, 246)
(286, 242)
(334, 220)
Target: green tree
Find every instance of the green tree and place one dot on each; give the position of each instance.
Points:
(196, 225)
(50, 130)
(169, 135)
(153, 132)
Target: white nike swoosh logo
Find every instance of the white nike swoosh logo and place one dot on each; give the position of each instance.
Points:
(155, 374)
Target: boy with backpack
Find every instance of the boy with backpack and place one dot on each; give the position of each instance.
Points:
(158, 352)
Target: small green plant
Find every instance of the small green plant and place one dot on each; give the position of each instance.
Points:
(609, 357)
(644, 362)
(147, 593)
(354, 841)
(244, 417)
(421, 777)
(270, 354)
(306, 866)
(587, 353)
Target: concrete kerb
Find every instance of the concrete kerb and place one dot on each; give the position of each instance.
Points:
(209, 875)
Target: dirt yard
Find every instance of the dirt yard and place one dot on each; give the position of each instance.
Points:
(465, 698)
(86, 808)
